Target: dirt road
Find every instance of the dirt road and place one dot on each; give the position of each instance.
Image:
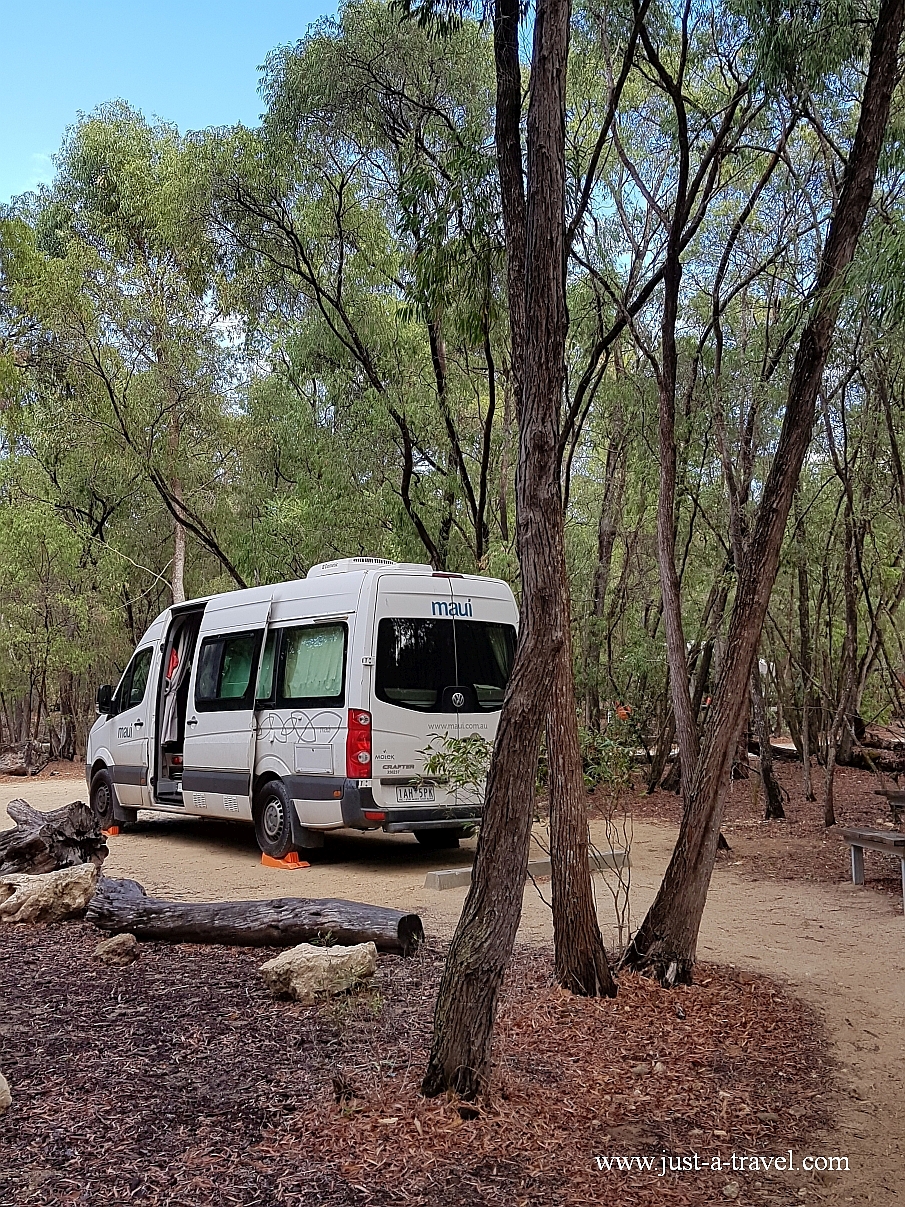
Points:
(843, 949)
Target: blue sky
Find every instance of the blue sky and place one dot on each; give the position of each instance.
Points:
(192, 62)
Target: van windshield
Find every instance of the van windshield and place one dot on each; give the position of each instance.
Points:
(423, 664)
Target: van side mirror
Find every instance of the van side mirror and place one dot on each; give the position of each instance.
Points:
(105, 699)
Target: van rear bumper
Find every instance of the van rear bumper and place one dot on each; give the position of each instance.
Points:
(358, 801)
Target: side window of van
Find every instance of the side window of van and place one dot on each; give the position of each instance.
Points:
(131, 690)
(226, 667)
(312, 665)
(264, 690)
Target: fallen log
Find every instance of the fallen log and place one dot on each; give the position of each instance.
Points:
(45, 842)
(123, 905)
(22, 761)
(876, 760)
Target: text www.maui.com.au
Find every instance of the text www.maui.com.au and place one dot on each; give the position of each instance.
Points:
(665, 1163)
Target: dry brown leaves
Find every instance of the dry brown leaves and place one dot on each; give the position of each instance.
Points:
(801, 847)
(178, 1081)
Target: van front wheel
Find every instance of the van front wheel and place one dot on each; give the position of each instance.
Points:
(439, 840)
(102, 796)
(273, 819)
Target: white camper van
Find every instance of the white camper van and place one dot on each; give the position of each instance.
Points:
(309, 705)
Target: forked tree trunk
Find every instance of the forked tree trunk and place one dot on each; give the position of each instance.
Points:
(666, 942)
(482, 945)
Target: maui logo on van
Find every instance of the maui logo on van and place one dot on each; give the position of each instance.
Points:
(458, 607)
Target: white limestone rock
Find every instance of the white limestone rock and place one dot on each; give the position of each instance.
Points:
(50, 897)
(306, 971)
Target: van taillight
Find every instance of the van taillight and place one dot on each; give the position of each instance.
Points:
(358, 745)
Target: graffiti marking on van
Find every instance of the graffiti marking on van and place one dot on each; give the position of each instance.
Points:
(458, 607)
(299, 726)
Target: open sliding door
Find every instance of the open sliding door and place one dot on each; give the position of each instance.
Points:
(220, 721)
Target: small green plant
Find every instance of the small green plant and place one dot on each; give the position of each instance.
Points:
(461, 763)
(605, 758)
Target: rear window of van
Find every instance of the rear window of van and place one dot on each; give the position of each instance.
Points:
(422, 663)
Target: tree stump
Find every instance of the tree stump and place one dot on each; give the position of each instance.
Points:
(123, 905)
(46, 842)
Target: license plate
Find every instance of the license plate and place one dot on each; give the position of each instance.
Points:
(415, 796)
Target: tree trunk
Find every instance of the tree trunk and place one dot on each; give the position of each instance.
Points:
(45, 842)
(666, 942)
(773, 808)
(610, 510)
(805, 658)
(580, 958)
(482, 945)
(123, 905)
(178, 575)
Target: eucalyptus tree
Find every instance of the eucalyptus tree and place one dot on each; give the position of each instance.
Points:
(666, 941)
(364, 214)
(125, 334)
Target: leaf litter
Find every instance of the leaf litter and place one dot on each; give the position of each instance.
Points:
(179, 1082)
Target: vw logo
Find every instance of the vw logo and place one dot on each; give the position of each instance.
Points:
(458, 699)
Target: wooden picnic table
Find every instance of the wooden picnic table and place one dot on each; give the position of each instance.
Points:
(895, 798)
(887, 842)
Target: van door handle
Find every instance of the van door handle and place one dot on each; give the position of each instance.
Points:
(138, 724)
(192, 721)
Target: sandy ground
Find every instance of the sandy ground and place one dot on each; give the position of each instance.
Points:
(842, 948)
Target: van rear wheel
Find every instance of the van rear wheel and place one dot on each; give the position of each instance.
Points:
(273, 819)
(439, 840)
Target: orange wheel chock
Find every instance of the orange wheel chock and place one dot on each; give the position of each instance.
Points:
(110, 832)
(288, 861)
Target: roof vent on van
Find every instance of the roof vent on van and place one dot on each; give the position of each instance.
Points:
(344, 564)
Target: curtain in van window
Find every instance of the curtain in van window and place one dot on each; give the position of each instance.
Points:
(501, 643)
(225, 667)
(313, 661)
(169, 730)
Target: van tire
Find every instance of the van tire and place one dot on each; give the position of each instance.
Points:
(272, 815)
(102, 798)
(439, 840)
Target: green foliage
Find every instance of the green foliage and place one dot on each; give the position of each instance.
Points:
(295, 338)
(461, 763)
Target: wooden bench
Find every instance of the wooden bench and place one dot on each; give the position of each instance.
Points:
(887, 842)
(896, 800)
